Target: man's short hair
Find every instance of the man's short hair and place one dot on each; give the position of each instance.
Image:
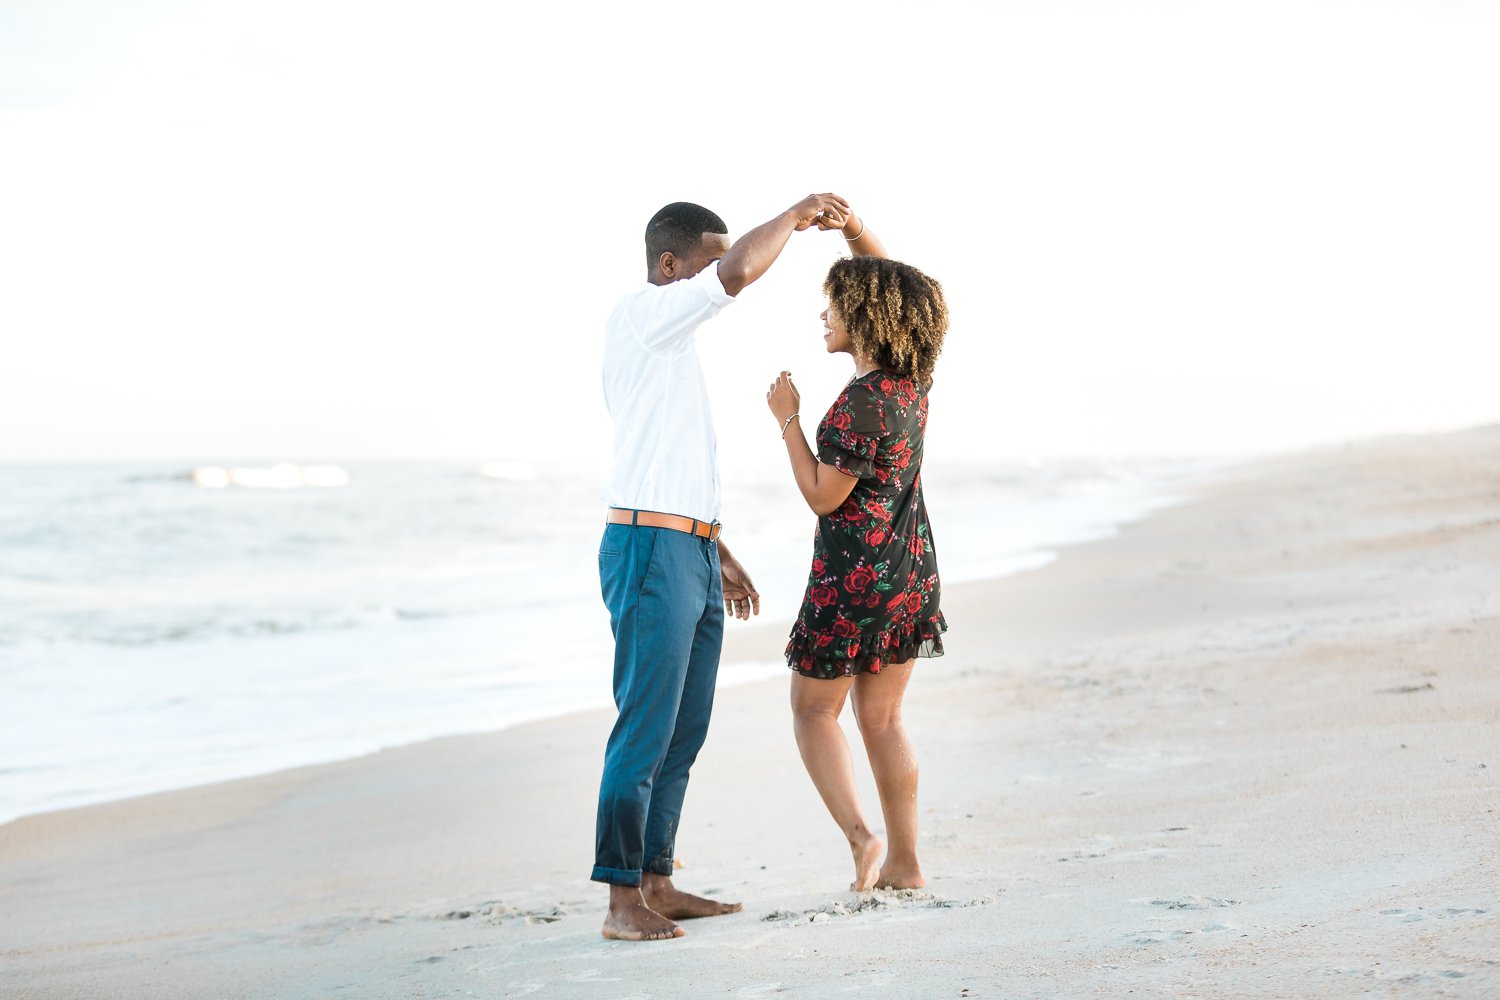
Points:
(679, 228)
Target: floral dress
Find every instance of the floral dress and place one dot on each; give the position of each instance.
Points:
(873, 593)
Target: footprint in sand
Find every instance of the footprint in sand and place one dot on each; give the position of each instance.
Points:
(866, 979)
(1437, 913)
(1403, 976)
(1189, 902)
(869, 902)
(1158, 936)
(494, 912)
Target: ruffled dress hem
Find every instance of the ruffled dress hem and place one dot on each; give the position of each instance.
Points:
(826, 655)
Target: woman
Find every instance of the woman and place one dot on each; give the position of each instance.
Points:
(872, 597)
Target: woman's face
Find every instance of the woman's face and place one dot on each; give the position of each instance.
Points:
(834, 334)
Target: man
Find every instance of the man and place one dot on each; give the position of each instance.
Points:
(665, 575)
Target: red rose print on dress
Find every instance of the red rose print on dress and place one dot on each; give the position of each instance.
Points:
(873, 596)
(859, 580)
(849, 508)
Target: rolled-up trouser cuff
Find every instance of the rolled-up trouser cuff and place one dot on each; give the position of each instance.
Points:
(616, 876)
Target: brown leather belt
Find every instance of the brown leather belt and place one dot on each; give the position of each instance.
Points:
(652, 519)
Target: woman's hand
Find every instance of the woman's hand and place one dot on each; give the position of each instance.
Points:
(833, 217)
(826, 211)
(783, 398)
(824, 487)
(862, 242)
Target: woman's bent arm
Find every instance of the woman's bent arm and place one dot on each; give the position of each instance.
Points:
(824, 487)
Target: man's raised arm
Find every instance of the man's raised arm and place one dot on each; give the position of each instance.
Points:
(754, 253)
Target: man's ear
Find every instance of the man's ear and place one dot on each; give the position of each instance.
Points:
(667, 264)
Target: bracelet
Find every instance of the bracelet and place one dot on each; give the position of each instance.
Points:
(788, 423)
(857, 235)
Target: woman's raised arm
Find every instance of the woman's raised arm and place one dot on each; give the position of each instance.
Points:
(863, 243)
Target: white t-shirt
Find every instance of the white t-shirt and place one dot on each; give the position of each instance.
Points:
(665, 454)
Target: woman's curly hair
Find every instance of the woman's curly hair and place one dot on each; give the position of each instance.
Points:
(895, 315)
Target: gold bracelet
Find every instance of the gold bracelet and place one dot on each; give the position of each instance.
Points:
(788, 423)
(857, 235)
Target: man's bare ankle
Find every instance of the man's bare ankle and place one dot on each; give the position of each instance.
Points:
(623, 897)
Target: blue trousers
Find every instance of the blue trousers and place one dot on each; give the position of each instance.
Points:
(666, 609)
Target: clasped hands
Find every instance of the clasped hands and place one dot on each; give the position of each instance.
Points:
(826, 211)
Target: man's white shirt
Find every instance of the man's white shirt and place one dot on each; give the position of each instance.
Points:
(665, 453)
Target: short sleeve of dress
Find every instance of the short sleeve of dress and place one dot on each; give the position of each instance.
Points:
(850, 435)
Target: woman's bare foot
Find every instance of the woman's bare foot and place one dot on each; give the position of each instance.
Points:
(866, 860)
(670, 901)
(901, 876)
(630, 919)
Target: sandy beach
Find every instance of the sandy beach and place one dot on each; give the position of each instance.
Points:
(1249, 747)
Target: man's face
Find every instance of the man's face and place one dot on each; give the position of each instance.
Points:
(712, 247)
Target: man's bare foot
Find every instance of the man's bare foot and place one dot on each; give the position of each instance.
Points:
(866, 858)
(630, 919)
(905, 876)
(670, 901)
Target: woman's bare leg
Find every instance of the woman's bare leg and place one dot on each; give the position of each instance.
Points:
(816, 705)
(877, 709)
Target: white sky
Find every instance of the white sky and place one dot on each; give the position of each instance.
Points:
(337, 230)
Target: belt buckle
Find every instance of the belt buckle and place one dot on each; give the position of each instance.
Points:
(713, 531)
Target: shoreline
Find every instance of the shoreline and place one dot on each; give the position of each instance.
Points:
(1167, 482)
(1242, 748)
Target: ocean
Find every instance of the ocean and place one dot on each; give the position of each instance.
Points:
(164, 626)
